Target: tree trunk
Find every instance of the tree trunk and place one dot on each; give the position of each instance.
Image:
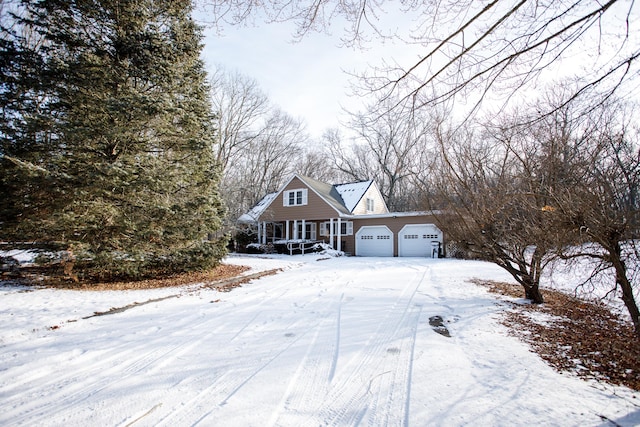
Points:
(629, 301)
(535, 295)
(532, 291)
(627, 290)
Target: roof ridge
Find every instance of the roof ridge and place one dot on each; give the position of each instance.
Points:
(353, 182)
(349, 190)
(328, 192)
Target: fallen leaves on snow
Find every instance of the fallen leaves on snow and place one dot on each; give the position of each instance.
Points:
(571, 334)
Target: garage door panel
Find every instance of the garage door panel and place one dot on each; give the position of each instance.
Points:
(419, 240)
(375, 240)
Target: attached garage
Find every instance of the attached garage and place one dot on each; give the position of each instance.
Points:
(374, 240)
(419, 240)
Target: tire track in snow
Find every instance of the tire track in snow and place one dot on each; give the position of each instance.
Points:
(205, 403)
(195, 408)
(216, 391)
(392, 389)
(86, 377)
(311, 381)
(215, 395)
(207, 380)
(382, 368)
(92, 377)
(112, 352)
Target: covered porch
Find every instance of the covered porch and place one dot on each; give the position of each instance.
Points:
(299, 231)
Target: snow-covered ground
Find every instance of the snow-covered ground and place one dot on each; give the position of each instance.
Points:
(329, 342)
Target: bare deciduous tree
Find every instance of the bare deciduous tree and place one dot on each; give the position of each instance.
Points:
(497, 189)
(473, 48)
(487, 191)
(258, 145)
(603, 207)
(263, 166)
(314, 163)
(346, 160)
(239, 106)
(531, 189)
(385, 146)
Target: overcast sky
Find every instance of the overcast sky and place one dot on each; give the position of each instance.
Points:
(307, 79)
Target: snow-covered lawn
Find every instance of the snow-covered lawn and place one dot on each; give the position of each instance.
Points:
(329, 342)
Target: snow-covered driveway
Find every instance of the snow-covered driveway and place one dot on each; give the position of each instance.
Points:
(335, 342)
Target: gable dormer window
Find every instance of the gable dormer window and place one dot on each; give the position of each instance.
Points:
(370, 204)
(295, 197)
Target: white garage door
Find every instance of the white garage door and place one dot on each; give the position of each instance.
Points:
(374, 240)
(419, 240)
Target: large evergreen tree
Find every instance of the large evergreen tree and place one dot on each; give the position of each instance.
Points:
(106, 142)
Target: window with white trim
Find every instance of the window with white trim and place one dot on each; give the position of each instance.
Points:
(295, 197)
(346, 228)
(370, 204)
(309, 231)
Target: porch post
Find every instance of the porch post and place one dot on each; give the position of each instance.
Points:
(295, 229)
(304, 230)
(287, 232)
(331, 233)
(259, 232)
(264, 232)
(339, 233)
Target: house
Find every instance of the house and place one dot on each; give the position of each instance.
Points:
(350, 217)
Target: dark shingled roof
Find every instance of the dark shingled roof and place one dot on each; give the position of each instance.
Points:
(328, 192)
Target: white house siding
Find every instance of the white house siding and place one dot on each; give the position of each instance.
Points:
(378, 203)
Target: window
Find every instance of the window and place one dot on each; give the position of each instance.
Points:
(370, 204)
(346, 228)
(295, 197)
(309, 231)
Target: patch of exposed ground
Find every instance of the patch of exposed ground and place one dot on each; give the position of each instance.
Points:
(220, 273)
(574, 335)
(221, 285)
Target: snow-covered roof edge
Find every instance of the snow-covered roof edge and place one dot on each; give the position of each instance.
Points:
(395, 214)
(254, 213)
(353, 192)
(337, 196)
